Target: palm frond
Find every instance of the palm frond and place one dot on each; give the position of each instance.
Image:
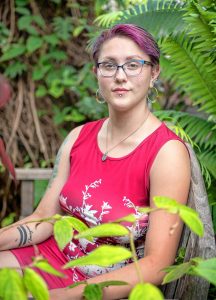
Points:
(201, 25)
(195, 72)
(161, 18)
(208, 159)
(200, 130)
(108, 19)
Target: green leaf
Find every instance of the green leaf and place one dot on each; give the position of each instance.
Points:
(76, 284)
(41, 91)
(63, 232)
(78, 30)
(34, 43)
(103, 256)
(25, 23)
(93, 292)
(56, 89)
(75, 116)
(206, 269)
(129, 218)
(8, 220)
(192, 220)
(171, 205)
(14, 51)
(11, 285)
(45, 266)
(23, 11)
(104, 230)
(35, 285)
(76, 223)
(52, 39)
(40, 71)
(176, 272)
(187, 214)
(15, 68)
(145, 291)
(145, 210)
(39, 21)
(112, 282)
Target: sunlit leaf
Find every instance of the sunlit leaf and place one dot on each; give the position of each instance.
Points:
(129, 218)
(63, 232)
(11, 285)
(104, 230)
(206, 269)
(103, 256)
(192, 220)
(46, 267)
(176, 272)
(145, 291)
(166, 203)
(77, 224)
(35, 285)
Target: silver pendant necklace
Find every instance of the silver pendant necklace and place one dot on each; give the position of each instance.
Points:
(104, 156)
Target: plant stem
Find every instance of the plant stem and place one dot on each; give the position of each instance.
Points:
(139, 273)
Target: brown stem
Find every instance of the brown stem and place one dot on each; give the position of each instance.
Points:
(28, 148)
(36, 120)
(12, 22)
(18, 114)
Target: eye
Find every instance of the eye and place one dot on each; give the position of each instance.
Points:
(133, 65)
(108, 66)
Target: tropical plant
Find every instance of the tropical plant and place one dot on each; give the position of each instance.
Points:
(67, 227)
(186, 33)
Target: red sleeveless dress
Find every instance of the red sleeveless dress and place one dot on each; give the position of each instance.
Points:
(98, 192)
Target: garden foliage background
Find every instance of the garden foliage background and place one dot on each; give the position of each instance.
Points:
(44, 57)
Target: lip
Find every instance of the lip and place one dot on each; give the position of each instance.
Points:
(120, 90)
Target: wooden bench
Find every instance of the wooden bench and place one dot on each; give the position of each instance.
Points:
(187, 287)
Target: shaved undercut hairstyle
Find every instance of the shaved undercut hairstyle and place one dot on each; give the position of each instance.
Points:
(137, 34)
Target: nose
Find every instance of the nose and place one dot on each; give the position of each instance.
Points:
(120, 73)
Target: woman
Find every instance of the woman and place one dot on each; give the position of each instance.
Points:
(106, 169)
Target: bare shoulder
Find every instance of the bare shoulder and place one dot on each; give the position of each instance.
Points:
(170, 173)
(173, 151)
(71, 139)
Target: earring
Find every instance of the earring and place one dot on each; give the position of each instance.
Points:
(153, 95)
(97, 97)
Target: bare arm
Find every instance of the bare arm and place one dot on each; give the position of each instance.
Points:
(170, 176)
(24, 233)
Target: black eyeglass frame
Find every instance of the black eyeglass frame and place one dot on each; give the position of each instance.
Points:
(142, 61)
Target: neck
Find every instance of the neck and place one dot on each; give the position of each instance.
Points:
(124, 122)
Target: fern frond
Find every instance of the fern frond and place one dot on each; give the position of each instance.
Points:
(205, 172)
(200, 130)
(108, 19)
(161, 18)
(195, 72)
(201, 27)
(208, 159)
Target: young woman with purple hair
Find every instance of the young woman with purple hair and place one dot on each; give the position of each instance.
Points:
(108, 168)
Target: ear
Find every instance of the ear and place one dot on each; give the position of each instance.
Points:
(94, 70)
(154, 75)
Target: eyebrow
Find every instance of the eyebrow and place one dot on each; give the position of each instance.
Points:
(127, 58)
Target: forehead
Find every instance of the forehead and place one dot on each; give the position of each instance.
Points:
(121, 47)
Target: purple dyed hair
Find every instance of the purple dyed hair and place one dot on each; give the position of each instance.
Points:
(137, 34)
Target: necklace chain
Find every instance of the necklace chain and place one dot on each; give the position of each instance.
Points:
(104, 157)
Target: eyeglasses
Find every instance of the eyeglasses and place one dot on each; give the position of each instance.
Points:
(131, 68)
